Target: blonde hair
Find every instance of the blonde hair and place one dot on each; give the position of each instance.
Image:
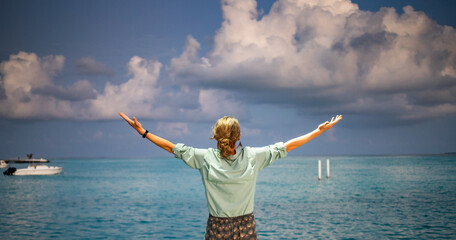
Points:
(226, 131)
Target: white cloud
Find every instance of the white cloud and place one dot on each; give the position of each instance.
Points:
(215, 104)
(329, 53)
(28, 91)
(31, 93)
(189, 55)
(137, 95)
(23, 73)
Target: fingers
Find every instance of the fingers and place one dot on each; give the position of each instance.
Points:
(333, 121)
(126, 118)
(338, 118)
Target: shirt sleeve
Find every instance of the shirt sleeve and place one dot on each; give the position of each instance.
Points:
(265, 156)
(193, 157)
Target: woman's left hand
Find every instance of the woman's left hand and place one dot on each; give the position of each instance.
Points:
(327, 125)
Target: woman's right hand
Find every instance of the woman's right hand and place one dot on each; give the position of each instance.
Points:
(161, 142)
(134, 123)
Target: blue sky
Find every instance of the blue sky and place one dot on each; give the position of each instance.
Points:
(281, 67)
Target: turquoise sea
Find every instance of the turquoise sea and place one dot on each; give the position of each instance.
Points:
(366, 197)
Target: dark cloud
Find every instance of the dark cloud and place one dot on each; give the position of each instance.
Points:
(368, 41)
(80, 91)
(21, 95)
(434, 97)
(2, 91)
(88, 66)
(183, 98)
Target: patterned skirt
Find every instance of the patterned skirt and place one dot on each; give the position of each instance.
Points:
(241, 227)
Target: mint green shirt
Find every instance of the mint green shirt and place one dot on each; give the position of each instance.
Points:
(230, 184)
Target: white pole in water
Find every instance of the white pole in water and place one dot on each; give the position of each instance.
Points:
(327, 168)
(319, 170)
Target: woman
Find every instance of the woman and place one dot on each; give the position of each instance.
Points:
(229, 173)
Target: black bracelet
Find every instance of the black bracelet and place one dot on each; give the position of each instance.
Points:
(145, 134)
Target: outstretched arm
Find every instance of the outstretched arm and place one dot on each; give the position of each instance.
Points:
(163, 143)
(299, 141)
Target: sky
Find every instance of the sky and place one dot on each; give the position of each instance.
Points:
(281, 67)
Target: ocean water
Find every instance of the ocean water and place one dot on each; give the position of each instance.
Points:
(387, 197)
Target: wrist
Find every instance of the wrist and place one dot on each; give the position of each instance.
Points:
(145, 134)
(317, 132)
(141, 131)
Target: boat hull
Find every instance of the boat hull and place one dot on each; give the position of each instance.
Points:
(38, 170)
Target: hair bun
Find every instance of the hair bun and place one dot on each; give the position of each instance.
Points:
(226, 131)
(224, 142)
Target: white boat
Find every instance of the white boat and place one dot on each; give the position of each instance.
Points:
(34, 170)
(3, 164)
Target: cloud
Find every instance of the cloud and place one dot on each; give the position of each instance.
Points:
(2, 90)
(319, 57)
(22, 75)
(28, 91)
(79, 91)
(327, 57)
(215, 104)
(88, 66)
(136, 95)
(31, 92)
